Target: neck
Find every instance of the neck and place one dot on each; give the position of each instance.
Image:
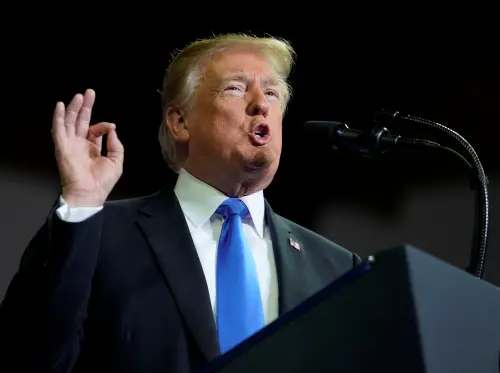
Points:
(231, 184)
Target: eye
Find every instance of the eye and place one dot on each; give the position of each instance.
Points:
(234, 88)
(272, 93)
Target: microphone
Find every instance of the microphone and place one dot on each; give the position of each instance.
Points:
(339, 137)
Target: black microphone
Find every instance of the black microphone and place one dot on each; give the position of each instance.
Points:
(339, 137)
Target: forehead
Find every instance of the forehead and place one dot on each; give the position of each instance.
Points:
(238, 62)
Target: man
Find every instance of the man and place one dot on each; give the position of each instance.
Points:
(163, 283)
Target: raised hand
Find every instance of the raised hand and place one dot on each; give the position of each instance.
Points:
(87, 177)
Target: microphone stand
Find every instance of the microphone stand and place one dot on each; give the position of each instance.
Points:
(479, 183)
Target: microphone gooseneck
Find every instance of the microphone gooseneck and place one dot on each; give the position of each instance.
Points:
(378, 140)
(479, 183)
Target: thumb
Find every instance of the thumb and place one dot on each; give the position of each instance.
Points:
(115, 149)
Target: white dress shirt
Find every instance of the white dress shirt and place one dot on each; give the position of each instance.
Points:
(199, 201)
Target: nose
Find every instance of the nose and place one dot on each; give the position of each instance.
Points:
(258, 105)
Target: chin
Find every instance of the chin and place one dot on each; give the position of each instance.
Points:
(263, 168)
(259, 161)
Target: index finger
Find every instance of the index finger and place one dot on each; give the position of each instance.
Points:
(85, 113)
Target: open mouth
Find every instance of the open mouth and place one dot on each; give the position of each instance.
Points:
(260, 134)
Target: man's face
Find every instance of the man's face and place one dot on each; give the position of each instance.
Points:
(235, 125)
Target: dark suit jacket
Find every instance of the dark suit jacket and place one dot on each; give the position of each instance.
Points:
(124, 291)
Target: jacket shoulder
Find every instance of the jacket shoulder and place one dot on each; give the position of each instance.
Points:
(318, 245)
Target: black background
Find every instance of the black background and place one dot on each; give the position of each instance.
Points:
(444, 68)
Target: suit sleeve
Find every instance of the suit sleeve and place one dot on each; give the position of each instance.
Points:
(45, 305)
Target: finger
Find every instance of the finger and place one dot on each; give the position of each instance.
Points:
(115, 150)
(97, 131)
(58, 129)
(72, 113)
(85, 113)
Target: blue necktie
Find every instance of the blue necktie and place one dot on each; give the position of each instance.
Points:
(239, 306)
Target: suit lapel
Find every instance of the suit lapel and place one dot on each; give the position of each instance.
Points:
(290, 262)
(163, 224)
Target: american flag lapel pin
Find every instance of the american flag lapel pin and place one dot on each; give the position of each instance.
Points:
(294, 244)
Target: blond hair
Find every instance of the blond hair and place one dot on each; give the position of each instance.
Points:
(182, 76)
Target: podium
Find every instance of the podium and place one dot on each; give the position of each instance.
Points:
(404, 311)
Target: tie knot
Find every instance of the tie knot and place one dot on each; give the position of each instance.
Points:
(233, 206)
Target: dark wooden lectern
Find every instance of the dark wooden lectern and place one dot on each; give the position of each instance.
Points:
(406, 312)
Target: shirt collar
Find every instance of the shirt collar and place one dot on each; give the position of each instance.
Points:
(199, 201)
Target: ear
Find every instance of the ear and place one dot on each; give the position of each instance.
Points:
(177, 124)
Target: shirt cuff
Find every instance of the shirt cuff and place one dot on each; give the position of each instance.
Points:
(75, 214)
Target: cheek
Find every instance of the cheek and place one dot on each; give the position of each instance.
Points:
(279, 141)
(278, 130)
(228, 121)
(212, 124)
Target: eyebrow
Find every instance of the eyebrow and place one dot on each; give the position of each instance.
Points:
(242, 77)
